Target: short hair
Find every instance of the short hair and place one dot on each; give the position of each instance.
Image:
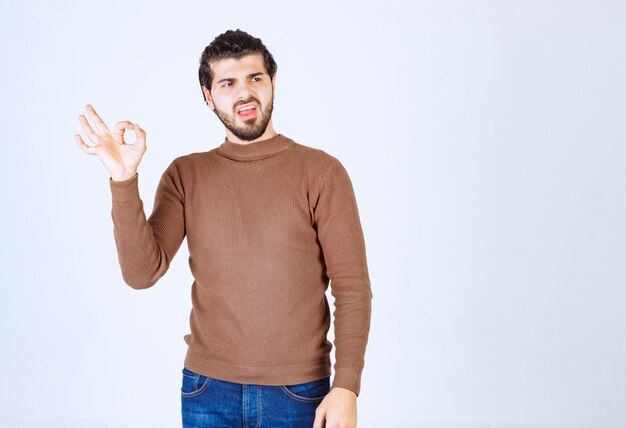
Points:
(232, 44)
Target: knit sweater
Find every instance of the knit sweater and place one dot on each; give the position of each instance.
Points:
(268, 224)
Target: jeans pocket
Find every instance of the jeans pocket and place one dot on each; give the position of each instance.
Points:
(193, 383)
(308, 392)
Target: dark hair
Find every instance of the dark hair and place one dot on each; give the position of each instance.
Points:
(232, 44)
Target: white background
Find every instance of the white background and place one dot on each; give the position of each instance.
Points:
(486, 145)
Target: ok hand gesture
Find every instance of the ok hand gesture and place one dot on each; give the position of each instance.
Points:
(119, 158)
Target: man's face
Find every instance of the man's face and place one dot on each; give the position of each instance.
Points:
(241, 84)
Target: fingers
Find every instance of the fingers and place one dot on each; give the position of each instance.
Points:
(84, 147)
(119, 130)
(99, 122)
(140, 140)
(88, 130)
(121, 126)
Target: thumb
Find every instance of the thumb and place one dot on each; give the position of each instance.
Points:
(320, 417)
(140, 134)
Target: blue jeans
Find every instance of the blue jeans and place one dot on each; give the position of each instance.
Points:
(210, 402)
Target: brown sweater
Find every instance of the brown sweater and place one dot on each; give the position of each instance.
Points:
(268, 224)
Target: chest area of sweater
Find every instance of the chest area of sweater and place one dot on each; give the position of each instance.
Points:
(251, 210)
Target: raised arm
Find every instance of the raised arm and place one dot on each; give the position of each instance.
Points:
(145, 246)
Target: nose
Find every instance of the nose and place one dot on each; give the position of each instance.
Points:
(244, 92)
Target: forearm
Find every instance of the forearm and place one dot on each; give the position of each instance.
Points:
(352, 317)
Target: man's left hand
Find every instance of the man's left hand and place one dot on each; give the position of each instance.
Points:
(338, 409)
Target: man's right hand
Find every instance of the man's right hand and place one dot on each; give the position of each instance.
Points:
(119, 158)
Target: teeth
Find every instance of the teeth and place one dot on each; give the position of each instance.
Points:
(246, 108)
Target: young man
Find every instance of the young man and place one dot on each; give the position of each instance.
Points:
(268, 223)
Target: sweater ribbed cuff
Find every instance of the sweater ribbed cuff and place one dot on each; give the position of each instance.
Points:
(125, 190)
(347, 378)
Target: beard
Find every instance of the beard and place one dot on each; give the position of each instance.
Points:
(252, 128)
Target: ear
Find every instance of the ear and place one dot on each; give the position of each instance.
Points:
(274, 84)
(209, 98)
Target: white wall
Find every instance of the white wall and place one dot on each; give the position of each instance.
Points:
(486, 144)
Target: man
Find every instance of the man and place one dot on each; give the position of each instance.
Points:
(268, 223)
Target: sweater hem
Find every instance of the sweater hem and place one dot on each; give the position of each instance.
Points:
(258, 375)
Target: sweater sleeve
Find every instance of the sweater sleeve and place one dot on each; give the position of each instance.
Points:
(145, 248)
(341, 237)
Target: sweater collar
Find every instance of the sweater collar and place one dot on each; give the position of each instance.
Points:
(257, 150)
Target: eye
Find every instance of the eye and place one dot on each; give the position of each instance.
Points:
(257, 77)
(226, 84)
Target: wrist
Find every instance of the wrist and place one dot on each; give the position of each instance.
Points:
(123, 177)
(345, 391)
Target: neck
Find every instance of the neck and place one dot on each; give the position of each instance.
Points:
(257, 149)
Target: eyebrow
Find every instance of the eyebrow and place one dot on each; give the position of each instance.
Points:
(249, 76)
